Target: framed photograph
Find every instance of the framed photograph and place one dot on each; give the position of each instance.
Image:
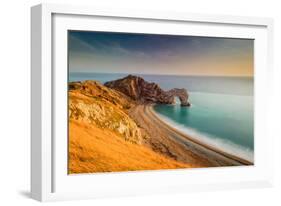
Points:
(137, 102)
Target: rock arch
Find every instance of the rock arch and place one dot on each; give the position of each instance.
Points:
(147, 92)
(181, 94)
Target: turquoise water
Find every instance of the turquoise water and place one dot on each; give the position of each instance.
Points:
(224, 121)
(221, 113)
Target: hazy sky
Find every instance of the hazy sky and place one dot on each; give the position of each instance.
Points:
(159, 54)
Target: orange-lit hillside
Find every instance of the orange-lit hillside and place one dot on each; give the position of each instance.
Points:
(92, 149)
(103, 137)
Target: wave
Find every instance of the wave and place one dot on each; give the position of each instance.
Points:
(211, 140)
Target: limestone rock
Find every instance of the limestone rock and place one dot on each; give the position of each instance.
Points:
(92, 103)
(145, 92)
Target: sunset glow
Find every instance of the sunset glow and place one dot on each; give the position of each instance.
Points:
(165, 54)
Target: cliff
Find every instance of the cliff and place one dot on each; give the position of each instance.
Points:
(91, 102)
(145, 92)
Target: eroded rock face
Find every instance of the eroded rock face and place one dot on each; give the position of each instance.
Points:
(92, 103)
(145, 92)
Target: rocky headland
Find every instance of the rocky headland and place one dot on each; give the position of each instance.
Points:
(147, 92)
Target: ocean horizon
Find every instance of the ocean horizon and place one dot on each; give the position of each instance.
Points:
(221, 114)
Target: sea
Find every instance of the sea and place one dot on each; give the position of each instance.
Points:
(221, 112)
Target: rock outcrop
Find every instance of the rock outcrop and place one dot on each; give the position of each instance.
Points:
(145, 92)
(92, 103)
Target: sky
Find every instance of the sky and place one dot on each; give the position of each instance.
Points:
(108, 52)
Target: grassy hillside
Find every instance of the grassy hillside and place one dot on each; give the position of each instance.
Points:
(103, 137)
(92, 149)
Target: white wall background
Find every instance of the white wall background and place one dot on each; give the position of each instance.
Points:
(15, 108)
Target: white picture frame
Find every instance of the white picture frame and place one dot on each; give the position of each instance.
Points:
(49, 179)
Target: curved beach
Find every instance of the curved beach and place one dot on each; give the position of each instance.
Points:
(180, 146)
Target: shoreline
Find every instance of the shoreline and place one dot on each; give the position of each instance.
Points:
(190, 149)
(228, 155)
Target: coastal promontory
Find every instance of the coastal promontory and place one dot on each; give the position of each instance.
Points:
(147, 92)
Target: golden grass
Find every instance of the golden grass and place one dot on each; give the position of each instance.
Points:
(92, 149)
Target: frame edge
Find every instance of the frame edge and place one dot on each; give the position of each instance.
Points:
(36, 117)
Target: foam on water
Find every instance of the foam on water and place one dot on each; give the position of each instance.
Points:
(218, 143)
